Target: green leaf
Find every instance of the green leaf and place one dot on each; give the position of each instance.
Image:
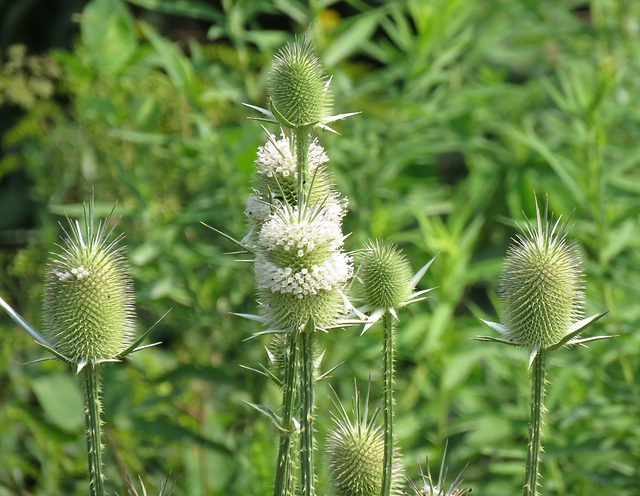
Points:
(108, 34)
(176, 64)
(60, 398)
(352, 38)
(185, 8)
(270, 414)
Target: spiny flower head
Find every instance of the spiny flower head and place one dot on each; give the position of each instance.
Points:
(427, 487)
(541, 285)
(300, 267)
(355, 452)
(297, 88)
(88, 300)
(385, 274)
(277, 174)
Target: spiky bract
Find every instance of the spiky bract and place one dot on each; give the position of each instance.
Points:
(88, 300)
(385, 274)
(297, 88)
(540, 288)
(355, 452)
(300, 267)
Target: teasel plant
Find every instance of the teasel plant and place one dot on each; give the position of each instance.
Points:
(295, 215)
(355, 450)
(89, 319)
(387, 286)
(426, 486)
(542, 300)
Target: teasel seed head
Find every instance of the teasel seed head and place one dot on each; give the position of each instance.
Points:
(297, 88)
(385, 274)
(88, 298)
(541, 285)
(355, 452)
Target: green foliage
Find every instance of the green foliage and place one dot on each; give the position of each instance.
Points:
(468, 107)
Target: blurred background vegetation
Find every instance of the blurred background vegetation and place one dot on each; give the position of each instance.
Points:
(468, 108)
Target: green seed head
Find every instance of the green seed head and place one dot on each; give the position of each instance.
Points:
(540, 289)
(385, 274)
(355, 453)
(297, 88)
(88, 300)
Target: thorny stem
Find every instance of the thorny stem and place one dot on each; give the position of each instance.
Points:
(387, 351)
(92, 410)
(284, 468)
(302, 161)
(538, 372)
(307, 474)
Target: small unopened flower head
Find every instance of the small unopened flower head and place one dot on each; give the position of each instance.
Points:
(88, 300)
(277, 173)
(540, 288)
(297, 87)
(355, 453)
(385, 274)
(300, 267)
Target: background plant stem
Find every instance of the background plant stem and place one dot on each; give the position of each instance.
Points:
(284, 473)
(92, 409)
(387, 352)
(538, 372)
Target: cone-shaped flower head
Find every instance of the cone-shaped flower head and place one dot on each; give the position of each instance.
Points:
(386, 275)
(355, 453)
(277, 174)
(300, 267)
(297, 88)
(540, 288)
(88, 300)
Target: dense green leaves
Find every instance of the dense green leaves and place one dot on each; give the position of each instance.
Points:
(468, 108)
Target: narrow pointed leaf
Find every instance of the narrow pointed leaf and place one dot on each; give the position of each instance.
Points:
(271, 415)
(135, 344)
(418, 275)
(17, 318)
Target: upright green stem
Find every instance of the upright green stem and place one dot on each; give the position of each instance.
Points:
(307, 384)
(389, 324)
(284, 468)
(538, 372)
(92, 410)
(302, 161)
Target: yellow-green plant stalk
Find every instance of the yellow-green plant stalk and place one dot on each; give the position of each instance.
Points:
(387, 286)
(542, 303)
(355, 452)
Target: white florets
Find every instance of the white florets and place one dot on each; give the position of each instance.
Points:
(78, 272)
(301, 256)
(278, 158)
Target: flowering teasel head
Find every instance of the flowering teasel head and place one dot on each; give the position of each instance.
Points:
(355, 452)
(300, 267)
(88, 299)
(277, 174)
